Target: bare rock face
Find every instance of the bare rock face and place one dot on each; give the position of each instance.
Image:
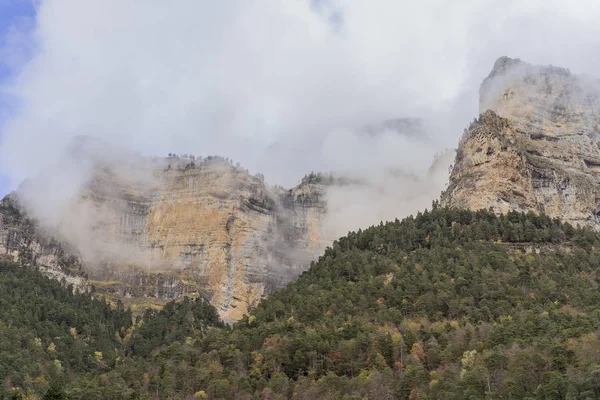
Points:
(212, 229)
(535, 146)
(22, 241)
(153, 231)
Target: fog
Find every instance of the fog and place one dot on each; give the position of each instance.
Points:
(283, 87)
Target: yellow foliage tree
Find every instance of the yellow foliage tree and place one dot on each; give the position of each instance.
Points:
(52, 348)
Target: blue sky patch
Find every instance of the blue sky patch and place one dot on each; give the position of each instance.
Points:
(16, 24)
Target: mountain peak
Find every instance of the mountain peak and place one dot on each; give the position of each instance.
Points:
(504, 64)
(534, 147)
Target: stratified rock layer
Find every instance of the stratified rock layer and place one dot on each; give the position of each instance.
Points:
(535, 146)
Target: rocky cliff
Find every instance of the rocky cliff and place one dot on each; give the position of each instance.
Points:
(535, 146)
(22, 240)
(171, 227)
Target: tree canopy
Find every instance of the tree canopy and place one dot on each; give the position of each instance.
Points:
(448, 304)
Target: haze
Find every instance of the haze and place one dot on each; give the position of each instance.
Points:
(283, 87)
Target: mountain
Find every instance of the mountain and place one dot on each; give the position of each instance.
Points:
(149, 231)
(500, 301)
(449, 304)
(535, 146)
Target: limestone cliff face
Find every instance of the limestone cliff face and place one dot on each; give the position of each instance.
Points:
(535, 146)
(162, 229)
(226, 228)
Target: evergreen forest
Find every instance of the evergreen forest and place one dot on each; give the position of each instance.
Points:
(448, 304)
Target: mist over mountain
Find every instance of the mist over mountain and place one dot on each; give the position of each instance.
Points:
(277, 91)
(300, 200)
(233, 79)
(151, 229)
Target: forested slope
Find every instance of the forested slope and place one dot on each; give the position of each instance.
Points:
(449, 304)
(48, 332)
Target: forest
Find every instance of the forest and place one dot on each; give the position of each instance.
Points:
(446, 304)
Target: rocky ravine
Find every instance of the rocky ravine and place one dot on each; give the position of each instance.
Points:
(535, 146)
(206, 228)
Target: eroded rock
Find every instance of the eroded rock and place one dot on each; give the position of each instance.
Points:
(534, 147)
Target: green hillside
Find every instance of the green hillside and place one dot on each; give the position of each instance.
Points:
(48, 333)
(449, 304)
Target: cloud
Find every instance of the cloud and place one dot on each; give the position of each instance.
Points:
(280, 86)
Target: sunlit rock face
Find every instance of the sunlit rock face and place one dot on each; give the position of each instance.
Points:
(229, 234)
(155, 230)
(535, 146)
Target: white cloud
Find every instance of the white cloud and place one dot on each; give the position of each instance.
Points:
(235, 77)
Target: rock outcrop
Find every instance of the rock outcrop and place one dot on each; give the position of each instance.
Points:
(535, 146)
(178, 226)
(22, 240)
